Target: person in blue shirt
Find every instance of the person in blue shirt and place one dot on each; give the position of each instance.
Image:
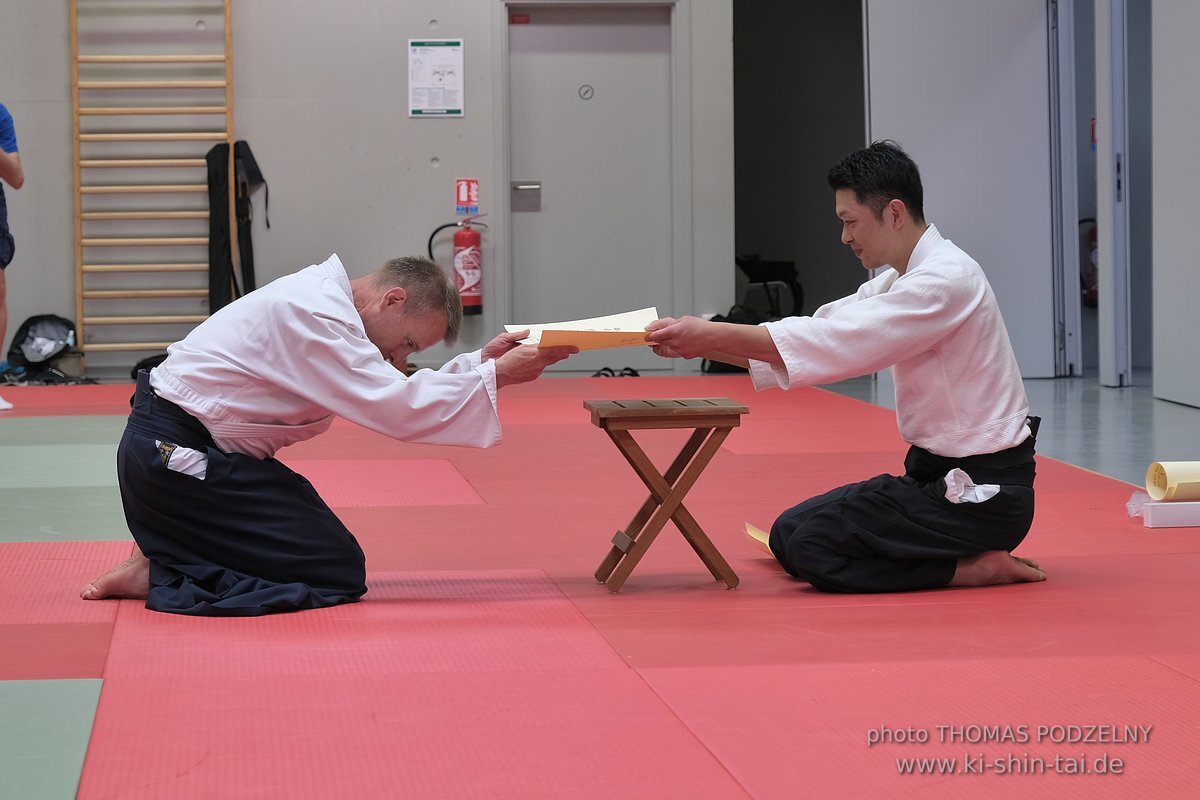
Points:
(11, 174)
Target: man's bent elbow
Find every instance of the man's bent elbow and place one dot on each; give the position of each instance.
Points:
(10, 170)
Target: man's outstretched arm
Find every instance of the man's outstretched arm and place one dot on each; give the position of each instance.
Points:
(731, 343)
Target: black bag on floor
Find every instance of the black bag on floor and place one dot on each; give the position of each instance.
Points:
(738, 314)
(41, 344)
(40, 339)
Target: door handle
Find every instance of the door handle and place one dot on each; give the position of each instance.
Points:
(525, 196)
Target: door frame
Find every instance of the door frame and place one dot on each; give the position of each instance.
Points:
(499, 290)
(1064, 183)
(1112, 195)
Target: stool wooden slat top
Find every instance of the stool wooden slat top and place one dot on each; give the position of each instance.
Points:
(710, 419)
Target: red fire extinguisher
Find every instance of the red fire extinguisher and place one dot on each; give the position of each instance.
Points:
(468, 262)
(1089, 265)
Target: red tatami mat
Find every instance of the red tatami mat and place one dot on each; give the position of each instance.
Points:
(521, 735)
(1089, 605)
(386, 482)
(451, 684)
(452, 622)
(1185, 664)
(46, 630)
(40, 581)
(344, 440)
(58, 401)
(486, 661)
(802, 730)
(58, 651)
(815, 421)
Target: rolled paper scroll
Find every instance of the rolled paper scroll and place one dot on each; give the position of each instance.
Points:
(1173, 480)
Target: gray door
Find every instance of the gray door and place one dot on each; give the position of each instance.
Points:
(590, 159)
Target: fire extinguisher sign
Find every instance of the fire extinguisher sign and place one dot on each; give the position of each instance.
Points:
(466, 196)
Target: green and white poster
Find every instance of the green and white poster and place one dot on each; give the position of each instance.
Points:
(435, 77)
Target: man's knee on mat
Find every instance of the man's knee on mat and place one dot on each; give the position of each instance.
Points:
(807, 555)
(347, 575)
(781, 533)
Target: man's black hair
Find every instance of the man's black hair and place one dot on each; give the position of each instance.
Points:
(879, 174)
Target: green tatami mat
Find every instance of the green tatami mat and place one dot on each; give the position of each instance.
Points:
(58, 479)
(76, 513)
(44, 732)
(62, 430)
(30, 466)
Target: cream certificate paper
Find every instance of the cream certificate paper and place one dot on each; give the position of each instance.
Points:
(597, 333)
(759, 538)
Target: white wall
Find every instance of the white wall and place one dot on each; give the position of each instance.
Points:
(349, 172)
(1125, 309)
(962, 85)
(1176, 65)
(712, 155)
(35, 83)
(320, 95)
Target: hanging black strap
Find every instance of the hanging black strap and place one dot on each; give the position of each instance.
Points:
(249, 177)
(222, 283)
(250, 174)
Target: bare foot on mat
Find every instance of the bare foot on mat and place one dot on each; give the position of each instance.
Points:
(129, 579)
(996, 567)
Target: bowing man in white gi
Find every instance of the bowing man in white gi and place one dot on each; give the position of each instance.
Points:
(222, 527)
(965, 500)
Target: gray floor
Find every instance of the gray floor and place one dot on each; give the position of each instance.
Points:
(1116, 432)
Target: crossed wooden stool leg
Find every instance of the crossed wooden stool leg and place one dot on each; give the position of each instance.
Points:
(711, 420)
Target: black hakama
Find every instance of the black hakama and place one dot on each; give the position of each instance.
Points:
(249, 537)
(900, 533)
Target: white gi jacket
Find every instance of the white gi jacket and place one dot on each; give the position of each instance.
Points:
(958, 386)
(275, 367)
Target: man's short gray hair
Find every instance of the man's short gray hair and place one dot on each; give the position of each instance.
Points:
(429, 288)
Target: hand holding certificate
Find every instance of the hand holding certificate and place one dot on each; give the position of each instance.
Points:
(597, 333)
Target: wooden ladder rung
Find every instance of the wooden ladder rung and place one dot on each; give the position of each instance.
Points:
(112, 163)
(109, 347)
(147, 188)
(195, 266)
(115, 215)
(117, 126)
(129, 111)
(160, 319)
(145, 241)
(189, 84)
(111, 294)
(173, 136)
(195, 58)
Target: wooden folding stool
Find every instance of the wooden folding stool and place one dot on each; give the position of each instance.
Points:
(711, 418)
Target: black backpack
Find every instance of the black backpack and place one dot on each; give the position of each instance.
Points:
(742, 315)
(41, 339)
(148, 363)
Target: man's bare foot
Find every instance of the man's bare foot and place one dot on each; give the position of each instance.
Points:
(129, 579)
(1028, 561)
(996, 567)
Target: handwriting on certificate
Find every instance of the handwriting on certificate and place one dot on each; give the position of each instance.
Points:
(598, 333)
